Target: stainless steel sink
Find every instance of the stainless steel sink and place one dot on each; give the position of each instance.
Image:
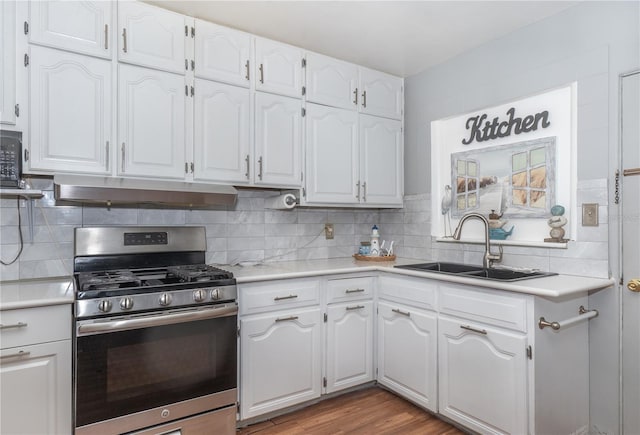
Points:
(472, 271)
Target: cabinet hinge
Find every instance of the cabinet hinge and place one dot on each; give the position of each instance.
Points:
(186, 90)
(186, 65)
(17, 110)
(304, 192)
(186, 30)
(324, 382)
(529, 352)
(186, 167)
(325, 317)
(26, 154)
(304, 62)
(193, 64)
(304, 90)
(304, 112)
(26, 60)
(192, 91)
(26, 28)
(193, 32)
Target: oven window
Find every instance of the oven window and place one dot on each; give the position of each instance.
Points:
(121, 373)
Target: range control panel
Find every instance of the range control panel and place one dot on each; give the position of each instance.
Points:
(137, 239)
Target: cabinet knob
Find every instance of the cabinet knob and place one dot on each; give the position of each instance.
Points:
(634, 285)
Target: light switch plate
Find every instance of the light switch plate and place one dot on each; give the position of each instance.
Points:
(328, 231)
(590, 215)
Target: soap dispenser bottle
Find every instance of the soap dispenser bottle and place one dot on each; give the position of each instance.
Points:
(375, 242)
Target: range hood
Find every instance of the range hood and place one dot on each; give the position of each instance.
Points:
(112, 190)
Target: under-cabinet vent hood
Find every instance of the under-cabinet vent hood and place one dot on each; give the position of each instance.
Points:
(111, 190)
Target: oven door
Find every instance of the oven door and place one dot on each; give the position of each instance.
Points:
(144, 370)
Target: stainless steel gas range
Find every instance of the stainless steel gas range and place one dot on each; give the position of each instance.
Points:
(155, 333)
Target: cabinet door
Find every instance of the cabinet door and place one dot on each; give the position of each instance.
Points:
(349, 345)
(151, 123)
(381, 160)
(80, 26)
(36, 389)
(221, 139)
(332, 82)
(280, 358)
(407, 353)
(380, 94)
(278, 68)
(331, 155)
(278, 140)
(8, 62)
(483, 377)
(150, 36)
(70, 112)
(222, 54)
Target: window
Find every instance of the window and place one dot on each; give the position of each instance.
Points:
(529, 179)
(467, 185)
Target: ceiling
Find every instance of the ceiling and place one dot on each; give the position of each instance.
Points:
(398, 37)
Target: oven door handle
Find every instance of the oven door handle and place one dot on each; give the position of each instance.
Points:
(157, 320)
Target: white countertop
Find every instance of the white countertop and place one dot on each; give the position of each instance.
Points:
(30, 293)
(557, 286)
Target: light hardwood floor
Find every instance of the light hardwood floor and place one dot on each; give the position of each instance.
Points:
(372, 411)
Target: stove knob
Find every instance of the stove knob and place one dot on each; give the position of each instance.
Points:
(104, 305)
(199, 295)
(126, 304)
(165, 299)
(215, 294)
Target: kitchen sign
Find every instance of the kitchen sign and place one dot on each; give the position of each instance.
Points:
(483, 130)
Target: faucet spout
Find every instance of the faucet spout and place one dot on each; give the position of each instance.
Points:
(489, 257)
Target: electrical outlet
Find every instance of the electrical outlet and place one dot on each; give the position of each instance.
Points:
(328, 231)
(590, 215)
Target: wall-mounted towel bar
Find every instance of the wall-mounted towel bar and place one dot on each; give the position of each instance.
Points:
(584, 314)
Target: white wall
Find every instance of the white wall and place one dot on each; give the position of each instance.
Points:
(591, 43)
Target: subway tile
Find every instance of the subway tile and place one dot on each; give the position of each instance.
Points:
(161, 217)
(245, 243)
(57, 216)
(46, 251)
(395, 217)
(341, 216)
(249, 204)
(580, 267)
(215, 230)
(280, 243)
(314, 253)
(245, 217)
(366, 217)
(274, 255)
(245, 230)
(315, 229)
(589, 196)
(417, 217)
(593, 234)
(280, 216)
(582, 250)
(216, 244)
(43, 269)
(239, 257)
(525, 261)
(95, 216)
(9, 235)
(205, 216)
(342, 229)
(312, 216)
(218, 257)
(10, 272)
(280, 229)
(596, 183)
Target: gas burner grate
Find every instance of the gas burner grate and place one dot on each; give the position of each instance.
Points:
(199, 272)
(110, 279)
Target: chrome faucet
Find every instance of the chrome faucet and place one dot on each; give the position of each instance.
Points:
(489, 257)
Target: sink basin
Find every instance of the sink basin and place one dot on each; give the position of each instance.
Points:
(475, 271)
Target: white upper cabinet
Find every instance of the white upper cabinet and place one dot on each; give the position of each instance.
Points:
(79, 26)
(332, 155)
(221, 137)
(278, 68)
(151, 123)
(151, 37)
(222, 54)
(8, 62)
(278, 145)
(380, 94)
(70, 105)
(381, 160)
(331, 82)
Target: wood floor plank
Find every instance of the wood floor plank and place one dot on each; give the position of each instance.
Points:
(372, 411)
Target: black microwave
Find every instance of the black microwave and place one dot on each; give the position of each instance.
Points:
(10, 158)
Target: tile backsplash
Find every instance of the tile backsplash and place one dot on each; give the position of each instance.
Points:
(247, 232)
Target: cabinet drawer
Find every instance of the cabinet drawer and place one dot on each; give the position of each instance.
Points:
(486, 306)
(412, 291)
(346, 289)
(278, 295)
(35, 325)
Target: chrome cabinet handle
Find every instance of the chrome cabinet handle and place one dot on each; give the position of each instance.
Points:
(472, 329)
(106, 36)
(26, 154)
(107, 155)
(20, 354)
(246, 159)
(364, 191)
(629, 172)
(13, 325)
(355, 97)
(356, 307)
(282, 298)
(261, 73)
(260, 168)
(358, 186)
(286, 319)
(124, 40)
(355, 290)
(122, 149)
(364, 99)
(191, 166)
(404, 313)
(247, 67)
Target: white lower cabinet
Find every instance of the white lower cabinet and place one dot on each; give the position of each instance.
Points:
(35, 371)
(483, 377)
(407, 352)
(280, 360)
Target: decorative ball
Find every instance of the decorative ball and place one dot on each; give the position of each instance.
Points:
(557, 233)
(557, 210)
